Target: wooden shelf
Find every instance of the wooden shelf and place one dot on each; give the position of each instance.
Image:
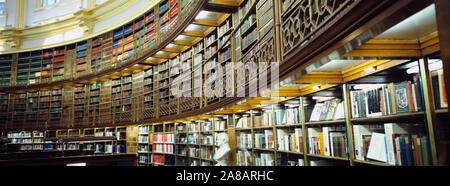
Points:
(392, 118)
(327, 157)
(373, 163)
(338, 122)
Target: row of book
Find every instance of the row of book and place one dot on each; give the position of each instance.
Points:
(264, 140)
(193, 138)
(163, 148)
(206, 153)
(328, 141)
(143, 139)
(393, 143)
(219, 124)
(244, 140)
(290, 140)
(243, 158)
(386, 99)
(287, 116)
(163, 138)
(264, 159)
(31, 147)
(206, 139)
(328, 110)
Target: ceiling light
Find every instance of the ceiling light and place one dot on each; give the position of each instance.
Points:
(191, 27)
(366, 86)
(202, 15)
(369, 70)
(320, 97)
(180, 37)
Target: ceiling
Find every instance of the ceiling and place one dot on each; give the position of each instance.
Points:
(416, 27)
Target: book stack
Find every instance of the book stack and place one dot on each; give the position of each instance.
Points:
(206, 139)
(328, 111)
(206, 153)
(287, 116)
(219, 125)
(264, 140)
(143, 148)
(327, 141)
(193, 127)
(243, 122)
(193, 138)
(267, 118)
(143, 159)
(206, 126)
(163, 138)
(157, 159)
(163, 148)
(142, 139)
(194, 152)
(290, 140)
(264, 159)
(244, 140)
(243, 158)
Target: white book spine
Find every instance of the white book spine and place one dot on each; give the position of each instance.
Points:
(358, 142)
(389, 131)
(413, 92)
(326, 141)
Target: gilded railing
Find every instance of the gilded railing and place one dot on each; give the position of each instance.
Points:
(302, 20)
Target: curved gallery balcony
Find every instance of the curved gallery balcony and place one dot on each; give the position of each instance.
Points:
(334, 19)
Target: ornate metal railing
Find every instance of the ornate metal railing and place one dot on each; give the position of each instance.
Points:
(302, 20)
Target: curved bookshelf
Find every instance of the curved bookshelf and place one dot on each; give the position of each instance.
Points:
(84, 49)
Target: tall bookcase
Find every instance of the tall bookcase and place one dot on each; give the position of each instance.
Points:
(6, 62)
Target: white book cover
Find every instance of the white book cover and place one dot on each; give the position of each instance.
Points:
(312, 132)
(315, 115)
(326, 142)
(340, 112)
(358, 132)
(377, 147)
(280, 139)
(298, 134)
(239, 123)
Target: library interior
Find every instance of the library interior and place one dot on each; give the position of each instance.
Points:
(148, 82)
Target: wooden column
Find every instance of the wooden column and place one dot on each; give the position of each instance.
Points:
(232, 140)
(443, 24)
(304, 132)
(429, 107)
(349, 126)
